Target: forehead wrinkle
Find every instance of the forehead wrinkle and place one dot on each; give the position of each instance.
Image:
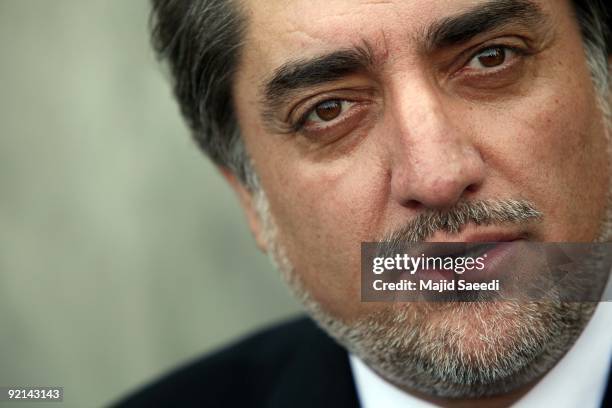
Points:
(483, 17)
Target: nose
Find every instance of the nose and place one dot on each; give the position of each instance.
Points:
(435, 161)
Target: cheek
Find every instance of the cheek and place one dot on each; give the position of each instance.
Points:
(337, 209)
(553, 150)
(324, 210)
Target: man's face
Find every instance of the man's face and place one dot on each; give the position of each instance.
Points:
(361, 115)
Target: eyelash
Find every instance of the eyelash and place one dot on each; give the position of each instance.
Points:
(519, 52)
(300, 123)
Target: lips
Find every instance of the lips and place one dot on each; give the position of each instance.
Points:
(455, 249)
(497, 264)
(491, 255)
(483, 236)
(473, 244)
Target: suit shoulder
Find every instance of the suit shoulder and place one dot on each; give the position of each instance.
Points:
(245, 371)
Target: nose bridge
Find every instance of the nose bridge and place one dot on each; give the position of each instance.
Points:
(434, 160)
(419, 110)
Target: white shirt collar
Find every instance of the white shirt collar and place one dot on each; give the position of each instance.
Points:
(578, 380)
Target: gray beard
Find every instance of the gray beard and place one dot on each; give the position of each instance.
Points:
(475, 350)
(449, 350)
(467, 350)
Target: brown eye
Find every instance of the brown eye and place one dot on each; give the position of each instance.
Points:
(492, 57)
(328, 113)
(328, 110)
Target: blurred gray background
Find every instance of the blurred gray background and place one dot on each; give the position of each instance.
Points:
(122, 252)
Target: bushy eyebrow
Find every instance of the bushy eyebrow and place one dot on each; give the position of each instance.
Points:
(304, 73)
(480, 19)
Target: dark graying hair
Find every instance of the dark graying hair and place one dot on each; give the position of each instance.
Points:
(201, 41)
(593, 19)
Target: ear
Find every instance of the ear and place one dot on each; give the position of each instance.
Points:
(610, 76)
(247, 203)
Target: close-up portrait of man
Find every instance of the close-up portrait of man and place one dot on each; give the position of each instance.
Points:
(343, 122)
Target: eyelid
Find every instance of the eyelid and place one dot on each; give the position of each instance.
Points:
(309, 110)
(353, 94)
(345, 105)
(483, 50)
(345, 123)
(303, 118)
(356, 96)
(468, 55)
(468, 51)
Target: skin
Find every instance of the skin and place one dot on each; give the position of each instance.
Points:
(424, 129)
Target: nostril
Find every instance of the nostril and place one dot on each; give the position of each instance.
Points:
(413, 204)
(472, 188)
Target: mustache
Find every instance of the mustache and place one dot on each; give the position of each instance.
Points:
(452, 220)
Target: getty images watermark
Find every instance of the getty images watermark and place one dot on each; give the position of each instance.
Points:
(496, 271)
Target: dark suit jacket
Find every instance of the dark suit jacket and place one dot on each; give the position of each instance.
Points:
(292, 365)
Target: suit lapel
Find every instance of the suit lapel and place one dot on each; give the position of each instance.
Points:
(317, 375)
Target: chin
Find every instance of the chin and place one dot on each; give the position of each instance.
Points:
(462, 350)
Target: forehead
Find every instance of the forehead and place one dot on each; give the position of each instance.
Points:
(321, 20)
(281, 30)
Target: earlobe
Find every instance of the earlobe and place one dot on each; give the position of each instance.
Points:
(247, 203)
